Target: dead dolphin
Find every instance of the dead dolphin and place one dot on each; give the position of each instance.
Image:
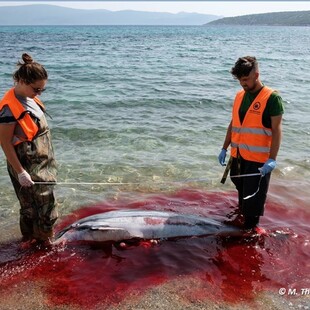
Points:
(116, 226)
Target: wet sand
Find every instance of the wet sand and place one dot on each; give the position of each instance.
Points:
(30, 296)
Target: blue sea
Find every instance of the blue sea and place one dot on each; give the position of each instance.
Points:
(148, 107)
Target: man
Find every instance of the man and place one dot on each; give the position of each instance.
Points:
(254, 135)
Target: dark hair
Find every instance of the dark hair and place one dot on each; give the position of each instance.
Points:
(244, 66)
(29, 71)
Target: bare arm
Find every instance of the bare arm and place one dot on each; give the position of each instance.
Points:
(6, 134)
(228, 137)
(276, 128)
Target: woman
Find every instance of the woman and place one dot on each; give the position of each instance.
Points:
(25, 140)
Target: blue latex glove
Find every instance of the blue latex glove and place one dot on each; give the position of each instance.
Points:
(269, 165)
(222, 157)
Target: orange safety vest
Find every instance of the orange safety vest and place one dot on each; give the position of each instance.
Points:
(251, 138)
(23, 117)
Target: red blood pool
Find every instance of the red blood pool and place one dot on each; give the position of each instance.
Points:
(225, 269)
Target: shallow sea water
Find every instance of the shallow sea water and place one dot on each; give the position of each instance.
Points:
(148, 106)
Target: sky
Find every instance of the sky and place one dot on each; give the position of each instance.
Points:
(221, 8)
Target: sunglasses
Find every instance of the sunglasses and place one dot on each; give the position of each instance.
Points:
(38, 90)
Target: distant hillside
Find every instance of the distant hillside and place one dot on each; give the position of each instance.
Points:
(301, 18)
(39, 14)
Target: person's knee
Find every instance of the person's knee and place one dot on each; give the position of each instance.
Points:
(27, 212)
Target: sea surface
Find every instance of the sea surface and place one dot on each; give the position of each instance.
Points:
(148, 107)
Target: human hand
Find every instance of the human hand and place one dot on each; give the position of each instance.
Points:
(269, 165)
(25, 179)
(222, 157)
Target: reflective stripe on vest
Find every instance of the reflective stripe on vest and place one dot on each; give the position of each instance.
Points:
(251, 138)
(22, 116)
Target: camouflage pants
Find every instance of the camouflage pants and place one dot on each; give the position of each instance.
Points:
(38, 212)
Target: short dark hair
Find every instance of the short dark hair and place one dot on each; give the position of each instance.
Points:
(243, 66)
(29, 71)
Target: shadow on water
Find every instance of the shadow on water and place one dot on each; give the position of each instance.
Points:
(225, 269)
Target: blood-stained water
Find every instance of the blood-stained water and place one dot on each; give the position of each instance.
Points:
(227, 269)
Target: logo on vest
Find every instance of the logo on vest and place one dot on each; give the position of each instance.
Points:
(256, 106)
